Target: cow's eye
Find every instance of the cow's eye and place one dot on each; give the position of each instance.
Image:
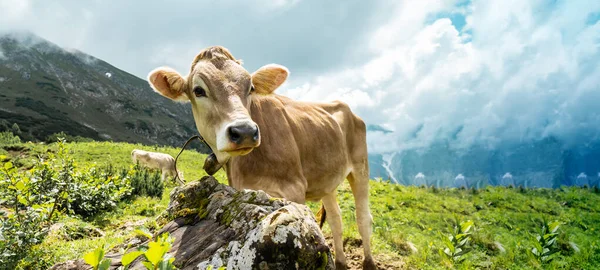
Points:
(199, 91)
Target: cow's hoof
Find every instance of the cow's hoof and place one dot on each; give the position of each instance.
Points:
(369, 264)
(340, 265)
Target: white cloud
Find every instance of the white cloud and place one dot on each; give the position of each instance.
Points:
(13, 10)
(308, 36)
(517, 71)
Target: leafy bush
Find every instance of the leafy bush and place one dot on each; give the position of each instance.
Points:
(8, 138)
(545, 242)
(96, 190)
(26, 221)
(145, 182)
(30, 200)
(457, 243)
(66, 137)
(85, 192)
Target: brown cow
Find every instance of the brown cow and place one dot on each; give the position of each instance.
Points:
(300, 151)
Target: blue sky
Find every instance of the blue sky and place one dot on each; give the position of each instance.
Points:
(470, 71)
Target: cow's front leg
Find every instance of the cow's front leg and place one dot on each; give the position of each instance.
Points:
(334, 219)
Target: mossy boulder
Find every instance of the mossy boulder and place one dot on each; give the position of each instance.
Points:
(216, 225)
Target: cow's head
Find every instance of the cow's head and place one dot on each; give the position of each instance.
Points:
(220, 91)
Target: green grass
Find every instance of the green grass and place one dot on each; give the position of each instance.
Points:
(504, 218)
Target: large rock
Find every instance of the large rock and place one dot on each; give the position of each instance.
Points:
(213, 224)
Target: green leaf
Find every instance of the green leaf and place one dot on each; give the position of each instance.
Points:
(538, 246)
(130, 257)
(551, 242)
(443, 253)
(463, 242)
(466, 226)
(553, 227)
(155, 252)
(534, 251)
(549, 236)
(94, 257)
(104, 265)
(20, 185)
(548, 253)
(8, 165)
(22, 200)
(148, 265)
(143, 233)
(448, 244)
(165, 265)
(462, 252)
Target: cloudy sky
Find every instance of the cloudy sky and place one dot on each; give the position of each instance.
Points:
(469, 71)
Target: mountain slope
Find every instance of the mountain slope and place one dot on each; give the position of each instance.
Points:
(46, 89)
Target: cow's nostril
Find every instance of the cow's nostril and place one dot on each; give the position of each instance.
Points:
(235, 134)
(255, 136)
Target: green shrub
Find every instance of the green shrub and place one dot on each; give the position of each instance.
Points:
(66, 137)
(145, 182)
(96, 190)
(15, 129)
(34, 198)
(457, 244)
(9, 138)
(85, 191)
(26, 221)
(545, 244)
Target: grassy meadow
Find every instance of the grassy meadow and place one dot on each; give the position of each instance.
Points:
(411, 224)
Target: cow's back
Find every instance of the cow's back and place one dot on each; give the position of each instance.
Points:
(304, 148)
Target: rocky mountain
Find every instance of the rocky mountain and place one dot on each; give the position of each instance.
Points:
(546, 162)
(46, 89)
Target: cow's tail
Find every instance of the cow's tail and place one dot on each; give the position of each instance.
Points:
(322, 214)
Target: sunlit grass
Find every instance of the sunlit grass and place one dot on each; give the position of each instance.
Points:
(503, 217)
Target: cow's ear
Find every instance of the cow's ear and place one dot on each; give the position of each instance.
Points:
(268, 78)
(167, 82)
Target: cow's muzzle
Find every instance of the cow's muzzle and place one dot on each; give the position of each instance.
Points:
(243, 137)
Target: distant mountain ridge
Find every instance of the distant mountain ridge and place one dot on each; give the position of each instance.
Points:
(547, 162)
(46, 89)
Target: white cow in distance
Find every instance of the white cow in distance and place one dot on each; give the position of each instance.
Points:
(156, 160)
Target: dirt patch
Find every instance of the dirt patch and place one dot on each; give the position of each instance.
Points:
(354, 255)
(16, 150)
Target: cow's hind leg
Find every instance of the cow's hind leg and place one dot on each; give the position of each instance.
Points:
(164, 175)
(334, 219)
(359, 182)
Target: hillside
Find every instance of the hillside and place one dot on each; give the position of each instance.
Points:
(411, 222)
(46, 89)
